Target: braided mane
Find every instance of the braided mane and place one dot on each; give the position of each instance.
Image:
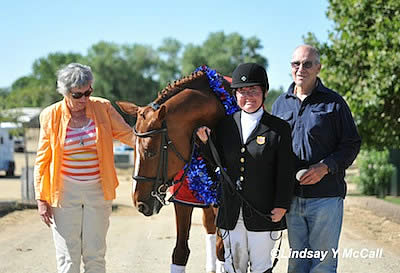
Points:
(177, 86)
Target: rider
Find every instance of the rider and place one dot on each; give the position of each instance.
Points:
(255, 150)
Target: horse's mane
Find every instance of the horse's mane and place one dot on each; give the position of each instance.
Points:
(177, 86)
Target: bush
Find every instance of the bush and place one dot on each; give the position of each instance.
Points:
(375, 172)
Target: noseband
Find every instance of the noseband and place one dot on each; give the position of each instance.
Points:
(161, 181)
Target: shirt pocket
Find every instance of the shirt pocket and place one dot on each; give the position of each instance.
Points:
(320, 122)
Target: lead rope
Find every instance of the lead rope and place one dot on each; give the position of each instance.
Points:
(217, 160)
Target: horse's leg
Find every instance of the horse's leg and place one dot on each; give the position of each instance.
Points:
(214, 244)
(180, 255)
(209, 220)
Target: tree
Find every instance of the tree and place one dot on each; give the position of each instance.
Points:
(133, 72)
(169, 63)
(44, 70)
(124, 72)
(39, 88)
(272, 95)
(3, 96)
(361, 61)
(222, 53)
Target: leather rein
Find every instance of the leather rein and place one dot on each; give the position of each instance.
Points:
(161, 181)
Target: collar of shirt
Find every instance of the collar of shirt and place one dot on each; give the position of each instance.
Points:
(249, 121)
(319, 87)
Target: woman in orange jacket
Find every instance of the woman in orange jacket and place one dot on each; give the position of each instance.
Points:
(75, 178)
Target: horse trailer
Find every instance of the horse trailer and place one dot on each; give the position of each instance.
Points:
(7, 162)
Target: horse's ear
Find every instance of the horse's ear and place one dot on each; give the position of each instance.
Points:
(162, 112)
(128, 107)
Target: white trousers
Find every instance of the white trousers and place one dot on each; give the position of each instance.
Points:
(244, 249)
(212, 262)
(80, 227)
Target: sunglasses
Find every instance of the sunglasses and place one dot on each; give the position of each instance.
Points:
(78, 95)
(306, 64)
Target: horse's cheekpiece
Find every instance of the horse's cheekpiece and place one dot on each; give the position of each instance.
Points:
(260, 140)
(161, 181)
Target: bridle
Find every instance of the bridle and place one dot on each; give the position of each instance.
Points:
(161, 181)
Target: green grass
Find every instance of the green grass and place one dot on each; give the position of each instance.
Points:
(393, 199)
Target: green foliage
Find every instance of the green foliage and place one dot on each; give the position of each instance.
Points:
(375, 171)
(223, 53)
(123, 72)
(361, 61)
(39, 88)
(133, 72)
(169, 61)
(3, 96)
(44, 69)
(393, 200)
(271, 97)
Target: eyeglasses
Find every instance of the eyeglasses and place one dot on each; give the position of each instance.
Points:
(306, 64)
(78, 95)
(248, 93)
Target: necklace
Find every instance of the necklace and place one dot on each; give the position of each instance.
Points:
(82, 143)
(81, 129)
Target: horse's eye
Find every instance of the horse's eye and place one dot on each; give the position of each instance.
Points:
(149, 154)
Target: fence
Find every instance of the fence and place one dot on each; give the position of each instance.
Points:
(27, 186)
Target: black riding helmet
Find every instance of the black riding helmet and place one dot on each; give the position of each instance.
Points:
(250, 74)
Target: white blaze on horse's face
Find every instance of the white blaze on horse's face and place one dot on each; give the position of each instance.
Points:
(137, 164)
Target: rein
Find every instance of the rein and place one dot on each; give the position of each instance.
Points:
(161, 181)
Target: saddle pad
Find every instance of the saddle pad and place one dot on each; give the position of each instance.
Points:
(182, 194)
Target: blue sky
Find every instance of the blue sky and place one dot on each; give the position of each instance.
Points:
(33, 29)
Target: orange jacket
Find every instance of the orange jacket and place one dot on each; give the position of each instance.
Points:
(53, 126)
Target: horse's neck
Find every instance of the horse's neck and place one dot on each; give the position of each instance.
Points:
(187, 111)
(193, 108)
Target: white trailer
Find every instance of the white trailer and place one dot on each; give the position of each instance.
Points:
(7, 162)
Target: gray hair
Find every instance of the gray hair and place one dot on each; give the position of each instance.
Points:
(313, 50)
(72, 76)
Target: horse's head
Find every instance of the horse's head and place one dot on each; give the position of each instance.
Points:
(149, 178)
(164, 132)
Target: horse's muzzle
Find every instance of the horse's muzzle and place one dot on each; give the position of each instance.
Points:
(144, 209)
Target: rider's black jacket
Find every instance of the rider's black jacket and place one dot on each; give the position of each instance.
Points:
(261, 169)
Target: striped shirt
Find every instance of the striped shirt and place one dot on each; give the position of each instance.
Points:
(80, 162)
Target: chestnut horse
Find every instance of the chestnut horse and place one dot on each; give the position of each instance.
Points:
(164, 141)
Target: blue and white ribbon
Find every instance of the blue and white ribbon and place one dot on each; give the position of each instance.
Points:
(200, 182)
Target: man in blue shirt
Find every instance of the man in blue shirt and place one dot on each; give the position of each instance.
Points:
(326, 142)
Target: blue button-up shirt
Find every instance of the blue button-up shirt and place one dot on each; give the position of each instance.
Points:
(323, 130)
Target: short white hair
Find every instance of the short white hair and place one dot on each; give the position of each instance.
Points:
(73, 75)
(313, 50)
